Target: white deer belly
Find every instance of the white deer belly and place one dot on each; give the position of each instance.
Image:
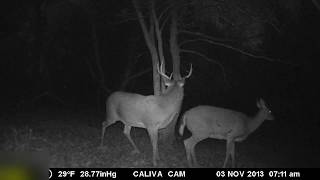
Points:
(134, 123)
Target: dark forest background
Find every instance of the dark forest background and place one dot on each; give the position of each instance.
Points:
(71, 55)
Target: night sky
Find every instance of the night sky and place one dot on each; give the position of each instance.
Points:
(49, 60)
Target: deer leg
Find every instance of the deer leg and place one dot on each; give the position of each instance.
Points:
(193, 154)
(153, 133)
(126, 131)
(187, 146)
(190, 151)
(227, 153)
(232, 147)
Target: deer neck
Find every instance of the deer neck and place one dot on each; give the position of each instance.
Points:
(255, 121)
(173, 96)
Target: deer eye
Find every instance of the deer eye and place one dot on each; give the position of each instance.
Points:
(168, 84)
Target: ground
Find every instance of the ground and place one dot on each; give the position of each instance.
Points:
(72, 139)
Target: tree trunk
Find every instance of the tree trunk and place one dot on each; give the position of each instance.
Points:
(150, 41)
(168, 133)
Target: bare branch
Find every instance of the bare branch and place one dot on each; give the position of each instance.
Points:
(151, 30)
(129, 67)
(127, 20)
(139, 74)
(165, 10)
(316, 3)
(209, 60)
(267, 19)
(205, 36)
(239, 50)
(174, 47)
(94, 77)
(164, 22)
(158, 33)
(275, 26)
(142, 22)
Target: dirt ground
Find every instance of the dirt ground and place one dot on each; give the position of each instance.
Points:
(72, 139)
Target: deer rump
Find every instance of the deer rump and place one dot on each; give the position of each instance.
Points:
(140, 111)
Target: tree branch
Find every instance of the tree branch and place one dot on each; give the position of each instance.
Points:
(158, 33)
(209, 60)
(146, 33)
(199, 34)
(164, 22)
(139, 74)
(165, 10)
(174, 47)
(238, 50)
(317, 4)
(95, 78)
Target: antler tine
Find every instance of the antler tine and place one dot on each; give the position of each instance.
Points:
(158, 68)
(164, 71)
(190, 72)
(160, 71)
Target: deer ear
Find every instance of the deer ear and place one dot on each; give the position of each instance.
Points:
(262, 103)
(259, 103)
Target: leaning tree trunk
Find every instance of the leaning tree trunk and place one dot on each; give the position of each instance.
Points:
(148, 34)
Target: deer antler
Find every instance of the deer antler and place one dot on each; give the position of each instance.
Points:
(161, 71)
(190, 72)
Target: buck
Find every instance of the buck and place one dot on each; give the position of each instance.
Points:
(219, 123)
(150, 112)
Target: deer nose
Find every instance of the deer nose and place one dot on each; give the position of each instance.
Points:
(271, 117)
